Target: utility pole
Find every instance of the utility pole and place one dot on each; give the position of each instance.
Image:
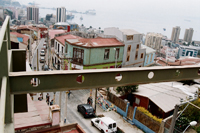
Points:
(48, 47)
(37, 61)
(65, 113)
(60, 105)
(174, 119)
(95, 101)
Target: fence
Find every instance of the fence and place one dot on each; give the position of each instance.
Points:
(147, 121)
(117, 101)
(130, 112)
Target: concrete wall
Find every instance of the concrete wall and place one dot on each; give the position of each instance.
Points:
(114, 31)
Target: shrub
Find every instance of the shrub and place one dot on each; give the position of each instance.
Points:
(142, 109)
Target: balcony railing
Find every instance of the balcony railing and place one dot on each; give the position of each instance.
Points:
(14, 79)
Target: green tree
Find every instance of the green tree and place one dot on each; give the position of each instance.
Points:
(127, 89)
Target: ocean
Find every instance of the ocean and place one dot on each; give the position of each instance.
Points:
(143, 15)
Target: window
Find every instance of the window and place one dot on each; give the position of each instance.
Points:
(56, 46)
(117, 53)
(137, 101)
(129, 48)
(106, 54)
(78, 53)
(138, 46)
(114, 125)
(110, 126)
(62, 50)
(128, 53)
(136, 55)
(129, 37)
(141, 56)
(151, 57)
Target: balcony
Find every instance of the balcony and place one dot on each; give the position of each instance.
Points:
(77, 61)
(15, 79)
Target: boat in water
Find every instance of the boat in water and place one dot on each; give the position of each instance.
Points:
(81, 18)
(90, 12)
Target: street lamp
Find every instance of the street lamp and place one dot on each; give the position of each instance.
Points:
(115, 57)
(193, 123)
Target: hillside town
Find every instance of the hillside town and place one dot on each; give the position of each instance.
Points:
(53, 43)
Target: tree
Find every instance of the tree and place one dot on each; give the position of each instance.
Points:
(127, 89)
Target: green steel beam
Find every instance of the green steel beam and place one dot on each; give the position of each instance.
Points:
(3, 104)
(20, 82)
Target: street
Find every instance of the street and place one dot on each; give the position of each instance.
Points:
(34, 59)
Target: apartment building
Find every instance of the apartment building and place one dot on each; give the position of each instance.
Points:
(33, 13)
(133, 53)
(175, 34)
(188, 35)
(61, 14)
(154, 40)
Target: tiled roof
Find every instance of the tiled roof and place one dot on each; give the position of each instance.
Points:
(95, 42)
(62, 39)
(25, 37)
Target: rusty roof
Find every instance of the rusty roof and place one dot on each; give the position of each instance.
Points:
(25, 37)
(95, 42)
(62, 38)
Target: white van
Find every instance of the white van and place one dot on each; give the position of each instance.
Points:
(105, 124)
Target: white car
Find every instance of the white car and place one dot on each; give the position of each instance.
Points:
(42, 52)
(105, 124)
(42, 59)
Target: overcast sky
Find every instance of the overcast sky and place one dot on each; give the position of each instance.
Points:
(179, 5)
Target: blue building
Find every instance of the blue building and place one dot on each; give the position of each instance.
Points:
(149, 56)
(187, 51)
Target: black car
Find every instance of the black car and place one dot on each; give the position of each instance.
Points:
(86, 110)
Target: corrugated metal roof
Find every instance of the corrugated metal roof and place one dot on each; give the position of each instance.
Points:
(164, 95)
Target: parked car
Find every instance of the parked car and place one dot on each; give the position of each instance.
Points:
(42, 59)
(42, 52)
(45, 45)
(105, 124)
(86, 110)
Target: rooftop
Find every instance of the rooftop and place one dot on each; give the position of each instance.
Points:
(62, 38)
(25, 37)
(148, 49)
(52, 33)
(165, 95)
(129, 31)
(95, 42)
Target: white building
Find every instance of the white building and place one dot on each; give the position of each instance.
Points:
(175, 34)
(61, 14)
(188, 35)
(133, 53)
(154, 40)
(33, 14)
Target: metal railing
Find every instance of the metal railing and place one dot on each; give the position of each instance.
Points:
(13, 61)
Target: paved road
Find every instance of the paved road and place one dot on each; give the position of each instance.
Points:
(34, 59)
(73, 116)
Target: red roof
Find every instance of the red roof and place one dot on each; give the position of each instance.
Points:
(97, 42)
(62, 39)
(52, 33)
(25, 37)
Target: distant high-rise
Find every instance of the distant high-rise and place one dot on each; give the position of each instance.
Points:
(188, 35)
(153, 40)
(175, 34)
(61, 14)
(33, 14)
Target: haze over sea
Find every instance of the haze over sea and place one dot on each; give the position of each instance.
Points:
(141, 15)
